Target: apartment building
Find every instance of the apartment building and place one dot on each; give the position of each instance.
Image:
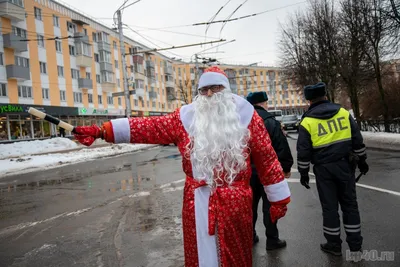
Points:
(243, 80)
(67, 64)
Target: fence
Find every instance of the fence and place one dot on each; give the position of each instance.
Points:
(379, 126)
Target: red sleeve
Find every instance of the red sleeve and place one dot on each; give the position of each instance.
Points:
(266, 161)
(145, 130)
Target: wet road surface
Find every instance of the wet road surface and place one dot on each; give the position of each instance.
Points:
(126, 211)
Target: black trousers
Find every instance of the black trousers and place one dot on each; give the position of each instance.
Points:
(336, 185)
(271, 229)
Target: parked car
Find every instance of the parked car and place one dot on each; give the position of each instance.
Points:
(290, 122)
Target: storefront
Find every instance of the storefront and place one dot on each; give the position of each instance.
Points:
(17, 124)
(90, 116)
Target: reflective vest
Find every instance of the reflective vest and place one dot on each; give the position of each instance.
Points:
(325, 132)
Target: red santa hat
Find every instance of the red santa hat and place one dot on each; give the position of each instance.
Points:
(214, 76)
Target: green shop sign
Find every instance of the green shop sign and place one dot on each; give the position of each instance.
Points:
(93, 111)
(11, 109)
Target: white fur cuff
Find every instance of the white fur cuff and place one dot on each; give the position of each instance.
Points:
(122, 130)
(277, 192)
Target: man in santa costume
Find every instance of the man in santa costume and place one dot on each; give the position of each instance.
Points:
(217, 135)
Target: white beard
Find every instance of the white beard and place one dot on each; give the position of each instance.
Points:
(218, 141)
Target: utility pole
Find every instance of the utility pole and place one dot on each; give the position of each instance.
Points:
(125, 74)
(196, 74)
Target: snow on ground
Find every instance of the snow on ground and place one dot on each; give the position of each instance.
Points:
(26, 164)
(25, 148)
(382, 140)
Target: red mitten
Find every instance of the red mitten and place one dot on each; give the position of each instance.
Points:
(86, 135)
(277, 211)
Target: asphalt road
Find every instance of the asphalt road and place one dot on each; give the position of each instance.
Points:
(126, 211)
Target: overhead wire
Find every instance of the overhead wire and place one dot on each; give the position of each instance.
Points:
(213, 17)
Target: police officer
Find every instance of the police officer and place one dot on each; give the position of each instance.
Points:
(279, 142)
(328, 135)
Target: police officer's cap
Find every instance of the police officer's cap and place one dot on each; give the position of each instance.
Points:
(314, 91)
(257, 97)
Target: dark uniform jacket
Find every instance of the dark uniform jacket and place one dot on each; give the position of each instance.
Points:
(327, 133)
(278, 139)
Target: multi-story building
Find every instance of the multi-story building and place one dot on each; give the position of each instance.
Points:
(69, 65)
(245, 79)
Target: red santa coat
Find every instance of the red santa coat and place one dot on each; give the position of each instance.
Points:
(217, 226)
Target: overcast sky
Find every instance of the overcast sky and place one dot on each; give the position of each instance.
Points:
(256, 37)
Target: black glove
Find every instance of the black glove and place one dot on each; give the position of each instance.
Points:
(304, 180)
(363, 167)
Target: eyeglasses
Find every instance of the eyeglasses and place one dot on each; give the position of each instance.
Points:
(213, 88)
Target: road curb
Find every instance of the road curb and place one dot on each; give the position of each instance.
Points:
(382, 141)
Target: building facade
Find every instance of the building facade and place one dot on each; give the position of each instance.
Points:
(68, 64)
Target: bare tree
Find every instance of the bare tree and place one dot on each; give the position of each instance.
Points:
(184, 91)
(308, 46)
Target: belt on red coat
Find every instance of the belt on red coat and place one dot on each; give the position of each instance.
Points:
(213, 201)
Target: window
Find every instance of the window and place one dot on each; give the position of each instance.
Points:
(139, 83)
(17, 2)
(136, 102)
(118, 83)
(56, 21)
(98, 78)
(71, 27)
(62, 95)
(19, 32)
(116, 64)
(24, 91)
(21, 61)
(107, 77)
(90, 98)
(94, 37)
(38, 13)
(85, 32)
(60, 71)
(119, 101)
(77, 97)
(72, 50)
(96, 57)
(84, 49)
(1, 59)
(3, 89)
(115, 45)
(58, 46)
(100, 99)
(398, 67)
(88, 75)
(109, 100)
(45, 93)
(74, 74)
(40, 40)
(43, 67)
(105, 56)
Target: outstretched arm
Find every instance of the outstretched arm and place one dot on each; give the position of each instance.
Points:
(147, 130)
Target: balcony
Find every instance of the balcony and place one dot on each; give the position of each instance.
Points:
(168, 70)
(85, 83)
(18, 72)
(170, 84)
(152, 94)
(108, 86)
(103, 46)
(171, 95)
(139, 92)
(12, 11)
(150, 64)
(13, 41)
(83, 61)
(105, 66)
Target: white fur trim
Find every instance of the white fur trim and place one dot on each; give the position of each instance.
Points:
(122, 130)
(277, 192)
(206, 244)
(243, 107)
(213, 78)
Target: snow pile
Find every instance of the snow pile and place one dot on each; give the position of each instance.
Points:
(382, 140)
(31, 163)
(25, 148)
